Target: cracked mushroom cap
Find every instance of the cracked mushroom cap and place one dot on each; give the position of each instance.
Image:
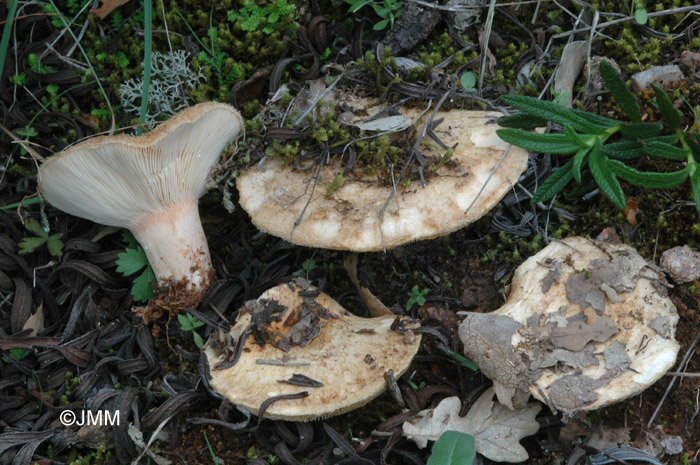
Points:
(587, 324)
(149, 184)
(276, 196)
(312, 345)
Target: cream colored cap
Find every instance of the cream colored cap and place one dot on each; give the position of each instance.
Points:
(349, 219)
(587, 324)
(347, 355)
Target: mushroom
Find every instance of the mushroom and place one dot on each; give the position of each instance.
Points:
(150, 185)
(357, 216)
(587, 324)
(299, 349)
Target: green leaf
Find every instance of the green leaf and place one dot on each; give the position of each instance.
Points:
(669, 113)
(131, 242)
(30, 244)
(629, 150)
(637, 131)
(641, 16)
(468, 80)
(184, 322)
(552, 112)
(34, 227)
(604, 177)
(522, 121)
(554, 183)
(695, 184)
(358, 5)
(453, 448)
(460, 358)
(198, 341)
(598, 120)
(664, 150)
(381, 25)
(55, 245)
(543, 143)
(579, 160)
(131, 260)
(142, 289)
(648, 180)
(622, 94)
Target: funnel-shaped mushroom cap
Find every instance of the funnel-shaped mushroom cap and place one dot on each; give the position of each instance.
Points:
(587, 324)
(276, 196)
(120, 180)
(149, 184)
(339, 359)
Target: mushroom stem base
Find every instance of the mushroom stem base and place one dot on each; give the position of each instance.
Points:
(176, 247)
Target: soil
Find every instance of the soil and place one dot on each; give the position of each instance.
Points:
(86, 345)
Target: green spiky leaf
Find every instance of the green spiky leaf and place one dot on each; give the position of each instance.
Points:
(637, 131)
(649, 180)
(30, 244)
(554, 183)
(142, 289)
(542, 143)
(623, 96)
(669, 113)
(55, 245)
(579, 160)
(522, 121)
(131, 260)
(604, 177)
(664, 150)
(552, 112)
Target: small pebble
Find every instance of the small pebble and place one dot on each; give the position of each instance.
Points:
(681, 263)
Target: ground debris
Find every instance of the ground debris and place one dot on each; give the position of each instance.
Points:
(681, 263)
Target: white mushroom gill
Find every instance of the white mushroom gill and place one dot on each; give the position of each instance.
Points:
(149, 184)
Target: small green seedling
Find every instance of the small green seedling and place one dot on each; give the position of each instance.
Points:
(416, 296)
(468, 81)
(27, 132)
(132, 260)
(307, 267)
(388, 10)
(460, 358)
(453, 448)
(268, 17)
(16, 354)
(30, 244)
(190, 323)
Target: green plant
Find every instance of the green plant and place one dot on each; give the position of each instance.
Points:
(416, 296)
(147, 45)
(132, 260)
(460, 358)
(268, 17)
(388, 10)
(190, 323)
(606, 146)
(30, 244)
(16, 354)
(306, 268)
(468, 81)
(453, 448)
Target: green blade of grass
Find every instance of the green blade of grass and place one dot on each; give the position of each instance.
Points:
(147, 44)
(6, 30)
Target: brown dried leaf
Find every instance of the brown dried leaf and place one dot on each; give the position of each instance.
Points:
(631, 211)
(107, 7)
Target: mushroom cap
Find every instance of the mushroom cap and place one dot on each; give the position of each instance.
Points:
(589, 324)
(120, 180)
(350, 356)
(276, 196)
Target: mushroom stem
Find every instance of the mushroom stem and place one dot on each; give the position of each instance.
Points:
(175, 245)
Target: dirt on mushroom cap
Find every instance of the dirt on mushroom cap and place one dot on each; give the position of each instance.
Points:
(349, 356)
(587, 324)
(359, 217)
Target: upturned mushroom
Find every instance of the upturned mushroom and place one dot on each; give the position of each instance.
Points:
(150, 185)
(294, 204)
(587, 324)
(296, 354)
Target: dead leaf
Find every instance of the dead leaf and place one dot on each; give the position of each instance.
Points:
(574, 391)
(388, 124)
(631, 211)
(373, 304)
(35, 322)
(572, 59)
(107, 7)
(497, 430)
